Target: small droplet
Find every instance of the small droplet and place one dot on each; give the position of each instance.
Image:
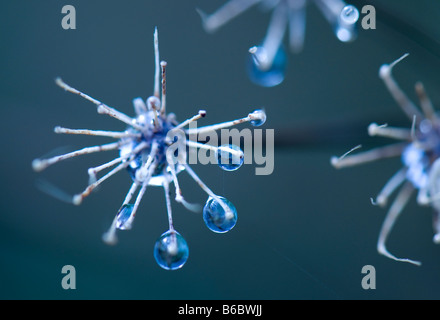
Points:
(436, 238)
(171, 250)
(123, 221)
(349, 14)
(216, 218)
(229, 157)
(261, 118)
(271, 76)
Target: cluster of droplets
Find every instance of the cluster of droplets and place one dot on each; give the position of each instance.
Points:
(171, 249)
(219, 214)
(268, 61)
(146, 151)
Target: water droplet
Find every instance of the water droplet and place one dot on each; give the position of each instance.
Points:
(261, 118)
(417, 163)
(216, 218)
(123, 221)
(267, 77)
(171, 250)
(344, 34)
(229, 157)
(349, 14)
(345, 29)
(436, 238)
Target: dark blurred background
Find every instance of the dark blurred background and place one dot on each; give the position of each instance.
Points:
(304, 232)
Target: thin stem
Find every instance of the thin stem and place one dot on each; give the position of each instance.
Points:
(297, 25)
(77, 199)
(201, 114)
(163, 65)
(179, 196)
(274, 36)
(224, 14)
(93, 171)
(157, 64)
(425, 102)
(217, 126)
(101, 107)
(130, 192)
(206, 189)
(194, 144)
(101, 133)
(141, 193)
(389, 151)
(110, 236)
(166, 188)
(41, 164)
(408, 107)
(392, 184)
(330, 9)
(144, 171)
(139, 106)
(392, 215)
(68, 88)
(389, 132)
(104, 109)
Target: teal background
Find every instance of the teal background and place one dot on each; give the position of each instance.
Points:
(304, 232)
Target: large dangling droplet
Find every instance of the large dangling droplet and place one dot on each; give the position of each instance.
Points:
(123, 221)
(171, 250)
(266, 77)
(215, 216)
(229, 157)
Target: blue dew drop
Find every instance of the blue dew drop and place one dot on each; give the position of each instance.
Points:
(229, 157)
(417, 162)
(349, 14)
(216, 218)
(260, 116)
(171, 250)
(123, 221)
(271, 76)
